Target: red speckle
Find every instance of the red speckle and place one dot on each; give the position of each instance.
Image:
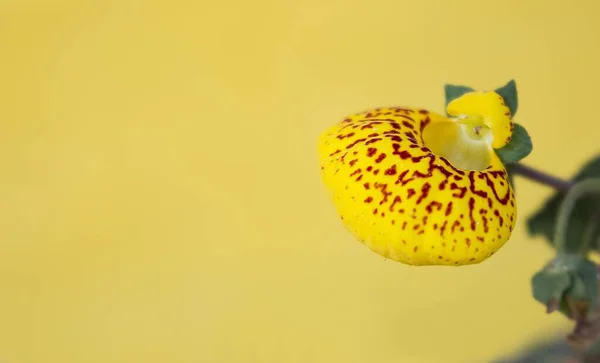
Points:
(371, 151)
(410, 192)
(355, 172)
(463, 190)
(391, 171)
(372, 141)
(380, 158)
(367, 185)
(433, 204)
(486, 228)
(443, 228)
(480, 239)
(415, 249)
(481, 193)
(383, 188)
(448, 209)
(368, 199)
(500, 219)
(471, 207)
(404, 225)
(397, 199)
(354, 143)
(468, 242)
(408, 124)
(442, 185)
(424, 192)
(401, 180)
(404, 155)
(352, 162)
(375, 211)
(369, 168)
(454, 225)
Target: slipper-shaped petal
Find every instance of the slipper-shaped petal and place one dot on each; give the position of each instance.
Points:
(390, 175)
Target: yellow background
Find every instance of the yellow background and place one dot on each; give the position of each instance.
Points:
(160, 192)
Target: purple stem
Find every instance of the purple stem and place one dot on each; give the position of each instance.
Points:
(540, 177)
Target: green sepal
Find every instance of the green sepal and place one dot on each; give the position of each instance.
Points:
(518, 148)
(453, 92)
(510, 96)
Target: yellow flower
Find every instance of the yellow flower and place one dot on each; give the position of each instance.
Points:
(421, 188)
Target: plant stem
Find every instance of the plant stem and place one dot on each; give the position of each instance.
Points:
(580, 189)
(540, 177)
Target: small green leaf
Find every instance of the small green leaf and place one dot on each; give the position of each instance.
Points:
(518, 148)
(588, 291)
(455, 91)
(549, 285)
(509, 93)
(568, 277)
(543, 221)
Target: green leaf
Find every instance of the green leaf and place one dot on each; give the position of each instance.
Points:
(586, 281)
(455, 91)
(549, 285)
(509, 93)
(518, 148)
(543, 221)
(567, 277)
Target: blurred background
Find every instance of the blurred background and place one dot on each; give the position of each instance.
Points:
(160, 196)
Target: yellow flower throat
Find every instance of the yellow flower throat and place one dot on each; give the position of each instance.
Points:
(465, 142)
